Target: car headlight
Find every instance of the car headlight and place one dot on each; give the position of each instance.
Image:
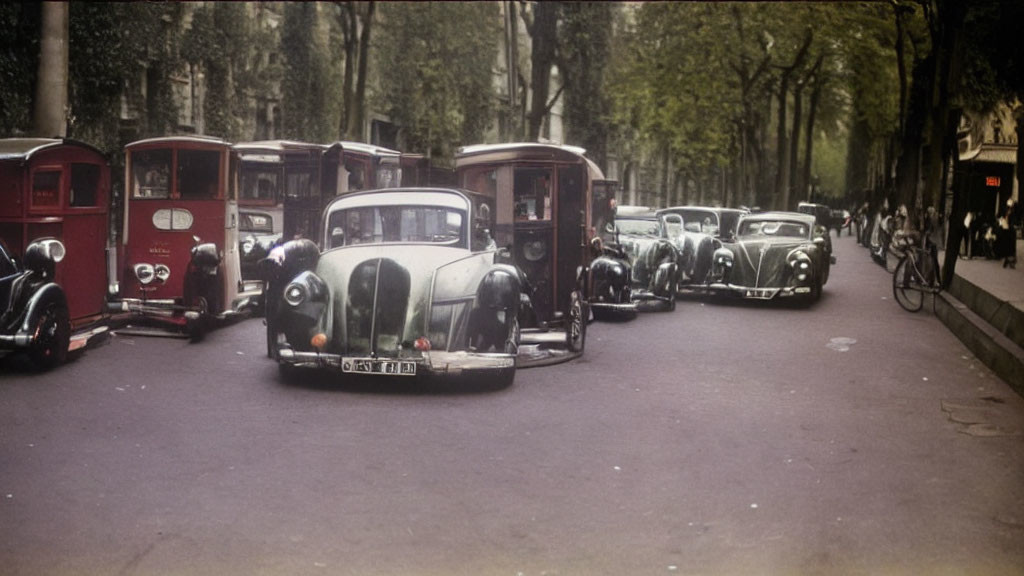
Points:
(295, 294)
(145, 273)
(723, 257)
(162, 272)
(800, 263)
(55, 249)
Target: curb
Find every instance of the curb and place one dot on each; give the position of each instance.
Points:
(998, 352)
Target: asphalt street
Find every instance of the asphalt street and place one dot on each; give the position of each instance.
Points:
(848, 437)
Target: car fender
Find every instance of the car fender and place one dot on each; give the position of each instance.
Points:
(610, 277)
(500, 289)
(45, 295)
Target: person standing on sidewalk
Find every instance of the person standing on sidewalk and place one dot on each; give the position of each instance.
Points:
(1007, 242)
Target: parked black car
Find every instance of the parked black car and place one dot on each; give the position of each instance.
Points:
(652, 256)
(776, 254)
(703, 230)
(33, 308)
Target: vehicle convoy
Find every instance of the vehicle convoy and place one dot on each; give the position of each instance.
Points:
(54, 229)
(775, 254)
(654, 259)
(408, 282)
(544, 215)
(703, 230)
(179, 263)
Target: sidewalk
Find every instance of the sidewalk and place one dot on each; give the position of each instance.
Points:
(984, 307)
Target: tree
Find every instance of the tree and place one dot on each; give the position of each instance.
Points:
(542, 26)
(356, 25)
(584, 52)
(50, 116)
(19, 62)
(435, 63)
(309, 111)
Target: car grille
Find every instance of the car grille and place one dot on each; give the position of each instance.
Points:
(375, 310)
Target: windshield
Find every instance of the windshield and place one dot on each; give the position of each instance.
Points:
(388, 224)
(783, 228)
(151, 174)
(700, 221)
(637, 226)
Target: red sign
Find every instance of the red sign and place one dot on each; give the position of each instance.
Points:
(992, 181)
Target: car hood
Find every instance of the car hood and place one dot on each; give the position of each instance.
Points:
(761, 263)
(381, 296)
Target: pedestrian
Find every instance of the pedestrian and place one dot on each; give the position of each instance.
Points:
(933, 227)
(1007, 236)
(968, 236)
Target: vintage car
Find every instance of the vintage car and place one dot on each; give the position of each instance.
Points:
(408, 283)
(775, 254)
(821, 212)
(652, 257)
(702, 231)
(34, 314)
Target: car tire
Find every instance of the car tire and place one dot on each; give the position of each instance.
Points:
(602, 314)
(672, 289)
(576, 323)
(816, 290)
(512, 341)
(504, 378)
(53, 335)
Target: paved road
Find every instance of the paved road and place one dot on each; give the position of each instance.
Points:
(848, 438)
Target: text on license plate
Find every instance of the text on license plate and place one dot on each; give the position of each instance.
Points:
(760, 293)
(374, 366)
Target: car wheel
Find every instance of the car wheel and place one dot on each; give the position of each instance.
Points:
(602, 314)
(52, 337)
(504, 378)
(512, 341)
(672, 289)
(576, 324)
(816, 290)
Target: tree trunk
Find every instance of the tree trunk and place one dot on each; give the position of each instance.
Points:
(805, 178)
(356, 127)
(782, 146)
(350, 33)
(544, 34)
(51, 99)
(793, 191)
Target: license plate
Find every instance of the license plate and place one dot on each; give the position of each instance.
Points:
(762, 293)
(375, 366)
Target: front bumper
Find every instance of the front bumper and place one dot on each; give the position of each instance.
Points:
(160, 309)
(758, 293)
(615, 306)
(435, 363)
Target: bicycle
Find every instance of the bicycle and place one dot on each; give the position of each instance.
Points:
(916, 273)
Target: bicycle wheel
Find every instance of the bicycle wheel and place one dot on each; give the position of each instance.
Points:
(906, 287)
